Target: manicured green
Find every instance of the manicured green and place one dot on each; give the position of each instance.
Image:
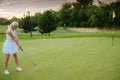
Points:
(65, 55)
(84, 58)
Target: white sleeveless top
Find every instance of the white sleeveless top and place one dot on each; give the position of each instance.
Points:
(9, 46)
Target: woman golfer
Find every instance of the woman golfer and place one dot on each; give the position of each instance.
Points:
(10, 46)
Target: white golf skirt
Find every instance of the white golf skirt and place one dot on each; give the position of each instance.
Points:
(9, 47)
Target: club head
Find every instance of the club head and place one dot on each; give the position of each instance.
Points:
(34, 64)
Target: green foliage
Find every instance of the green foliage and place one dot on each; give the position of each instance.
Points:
(26, 24)
(76, 6)
(64, 14)
(77, 14)
(14, 19)
(36, 18)
(3, 29)
(116, 6)
(82, 14)
(4, 21)
(85, 3)
(93, 21)
(47, 22)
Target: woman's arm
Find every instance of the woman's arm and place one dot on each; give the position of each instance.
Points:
(15, 39)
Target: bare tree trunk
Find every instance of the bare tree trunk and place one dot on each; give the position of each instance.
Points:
(49, 34)
(31, 34)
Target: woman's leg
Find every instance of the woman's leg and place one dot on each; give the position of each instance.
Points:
(16, 59)
(7, 56)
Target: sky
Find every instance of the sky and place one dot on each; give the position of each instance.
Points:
(10, 8)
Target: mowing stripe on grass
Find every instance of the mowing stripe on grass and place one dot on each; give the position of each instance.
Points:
(87, 58)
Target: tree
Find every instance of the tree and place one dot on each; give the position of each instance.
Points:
(76, 6)
(93, 20)
(36, 19)
(14, 18)
(85, 3)
(47, 22)
(116, 6)
(100, 3)
(75, 18)
(27, 24)
(64, 14)
(4, 21)
(83, 18)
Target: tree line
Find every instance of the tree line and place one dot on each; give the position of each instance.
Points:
(81, 13)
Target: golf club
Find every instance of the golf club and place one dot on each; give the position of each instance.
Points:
(29, 58)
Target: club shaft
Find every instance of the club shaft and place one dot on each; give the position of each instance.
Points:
(29, 58)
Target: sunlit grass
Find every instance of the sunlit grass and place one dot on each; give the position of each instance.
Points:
(84, 58)
(65, 55)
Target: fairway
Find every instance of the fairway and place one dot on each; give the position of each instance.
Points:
(85, 58)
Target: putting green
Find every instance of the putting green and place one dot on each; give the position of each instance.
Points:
(85, 58)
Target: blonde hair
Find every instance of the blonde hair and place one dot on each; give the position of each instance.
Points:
(14, 23)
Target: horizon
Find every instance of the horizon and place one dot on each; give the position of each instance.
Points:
(17, 8)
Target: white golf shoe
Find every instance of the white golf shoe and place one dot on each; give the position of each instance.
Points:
(18, 69)
(6, 72)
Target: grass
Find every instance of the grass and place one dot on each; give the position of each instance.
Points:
(66, 55)
(59, 33)
(67, 59)
(3, 28)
